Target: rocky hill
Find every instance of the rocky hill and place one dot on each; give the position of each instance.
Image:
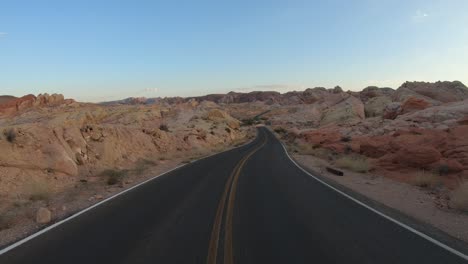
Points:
(6, 98)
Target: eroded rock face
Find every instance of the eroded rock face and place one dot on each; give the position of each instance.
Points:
(376, 106)
(52, 140)
(434, 93)
(17, 105)
(349, 110)
(413, 104)
(322, 136)
(392, 110)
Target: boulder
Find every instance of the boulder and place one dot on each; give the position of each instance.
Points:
(43, 216)
(375, 147)
(417, 156)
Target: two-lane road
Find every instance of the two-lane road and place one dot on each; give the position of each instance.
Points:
(247, 205)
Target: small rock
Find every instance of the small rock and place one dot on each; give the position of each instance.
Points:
(43, 216)
(99, 197)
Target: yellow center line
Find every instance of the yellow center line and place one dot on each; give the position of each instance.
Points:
(228, 247)
(215, 233)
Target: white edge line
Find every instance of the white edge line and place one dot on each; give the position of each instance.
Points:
(42, 231)
(409, 228)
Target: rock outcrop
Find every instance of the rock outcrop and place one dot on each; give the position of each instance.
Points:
(349, 110)
(434, 93)
(17, 105)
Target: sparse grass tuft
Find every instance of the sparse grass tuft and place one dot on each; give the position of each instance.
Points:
(356, 164)
(459, 197)
(425, 179)
(38, 190)
(114, 176)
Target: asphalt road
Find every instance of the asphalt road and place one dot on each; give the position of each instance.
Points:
(247, 205)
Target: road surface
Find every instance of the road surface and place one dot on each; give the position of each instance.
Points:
(247, 205)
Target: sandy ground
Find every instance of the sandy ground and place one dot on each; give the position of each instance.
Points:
(422, 204)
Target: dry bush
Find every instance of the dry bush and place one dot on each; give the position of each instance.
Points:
(311, 150)
(354, 163)
(164, 127)
(425, 179)
(38, 190)
(459, 197)
(280, 130)
(114, 176)
(10, 135)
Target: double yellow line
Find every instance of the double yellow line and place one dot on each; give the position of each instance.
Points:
(231, 185)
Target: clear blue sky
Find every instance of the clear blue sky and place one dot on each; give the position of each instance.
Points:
(103, 50)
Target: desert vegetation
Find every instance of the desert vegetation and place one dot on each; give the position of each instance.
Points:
(425, 179)
(114, 176)
(354, 163)
(38, 190)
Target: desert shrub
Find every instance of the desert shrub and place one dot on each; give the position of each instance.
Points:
(10, 135)
(348, 149)
(346, 139)
(356, 164)
(425, 179)
(459, 197)
(228, 129)
(114, 176)
(164, 127)
(280, 130)
(248, 122)
(443, 170)
(38, 190)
